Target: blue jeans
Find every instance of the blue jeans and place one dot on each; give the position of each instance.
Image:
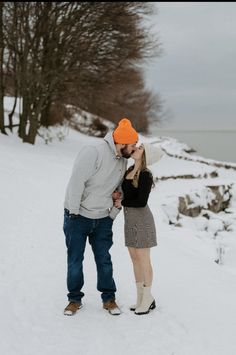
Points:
(99, 233)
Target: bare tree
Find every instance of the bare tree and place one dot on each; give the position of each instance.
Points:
(114, 86)
(126, 96)
(77, 52)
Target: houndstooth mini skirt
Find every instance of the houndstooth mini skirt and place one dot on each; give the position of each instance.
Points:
(140, 231)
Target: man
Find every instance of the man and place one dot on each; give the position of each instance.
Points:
(89, 212)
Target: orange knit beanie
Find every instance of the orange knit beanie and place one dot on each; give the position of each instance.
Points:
(125, 133)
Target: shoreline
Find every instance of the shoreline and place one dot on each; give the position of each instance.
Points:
(197, 130)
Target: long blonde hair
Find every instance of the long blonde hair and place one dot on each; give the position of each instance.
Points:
(143, 167)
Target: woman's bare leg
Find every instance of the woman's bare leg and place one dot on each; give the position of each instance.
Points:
(137, 266)
(145, 267)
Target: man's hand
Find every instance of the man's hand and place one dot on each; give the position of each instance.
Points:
(117, 203)
(116, 195)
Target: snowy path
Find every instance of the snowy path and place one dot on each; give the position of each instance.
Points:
(196, 313)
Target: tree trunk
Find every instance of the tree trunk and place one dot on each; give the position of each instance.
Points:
(12, 113)
(45, 115)
(2, 123)
(24, 117)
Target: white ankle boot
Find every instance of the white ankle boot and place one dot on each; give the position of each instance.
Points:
(147, 303)
(139, 287)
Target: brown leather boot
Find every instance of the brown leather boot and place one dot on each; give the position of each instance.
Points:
(112, 307)
(72, 308)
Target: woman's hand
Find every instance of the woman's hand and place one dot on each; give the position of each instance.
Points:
(117, 203)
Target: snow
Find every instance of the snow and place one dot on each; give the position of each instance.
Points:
(195, 296)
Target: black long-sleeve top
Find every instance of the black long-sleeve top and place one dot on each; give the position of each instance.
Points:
(137, 196)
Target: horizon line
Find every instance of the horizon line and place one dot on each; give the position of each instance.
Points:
(196, 130)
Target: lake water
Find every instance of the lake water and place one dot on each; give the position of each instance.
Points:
(219, 145)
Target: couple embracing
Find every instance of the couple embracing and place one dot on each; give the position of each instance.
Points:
(100, 185)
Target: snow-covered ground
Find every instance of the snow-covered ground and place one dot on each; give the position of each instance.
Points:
(196, 308)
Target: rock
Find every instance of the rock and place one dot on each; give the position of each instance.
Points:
(212, 174)
(213, 198)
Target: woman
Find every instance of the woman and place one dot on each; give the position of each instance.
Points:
(140, 232)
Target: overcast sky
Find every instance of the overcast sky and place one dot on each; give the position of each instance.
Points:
(196, 75)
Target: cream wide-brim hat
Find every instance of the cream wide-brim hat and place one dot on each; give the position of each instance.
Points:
(153, 154)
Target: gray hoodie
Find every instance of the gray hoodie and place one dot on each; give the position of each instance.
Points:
(97, 172)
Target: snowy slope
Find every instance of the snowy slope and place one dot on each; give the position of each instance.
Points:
(196, 313)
